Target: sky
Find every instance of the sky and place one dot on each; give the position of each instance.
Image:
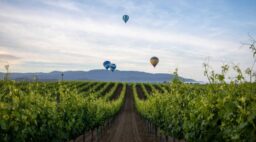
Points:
(50, 35)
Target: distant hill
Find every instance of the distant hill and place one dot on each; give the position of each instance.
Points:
(98, 75)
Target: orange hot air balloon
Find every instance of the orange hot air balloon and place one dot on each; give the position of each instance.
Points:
(154, 61)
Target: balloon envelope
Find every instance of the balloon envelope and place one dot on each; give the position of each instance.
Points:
(125, 18)
(154, 61)
(106, 64)
(112, 67)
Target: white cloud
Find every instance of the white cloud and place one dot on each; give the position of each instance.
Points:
(84, 42)
(64, 4)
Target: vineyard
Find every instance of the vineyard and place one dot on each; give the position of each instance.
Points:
(124, 112)
(56, 111)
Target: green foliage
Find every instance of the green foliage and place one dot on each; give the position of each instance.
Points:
(196, 114)
(218, 111)
(31, 112)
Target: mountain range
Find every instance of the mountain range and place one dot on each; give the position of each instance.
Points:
(98, 75)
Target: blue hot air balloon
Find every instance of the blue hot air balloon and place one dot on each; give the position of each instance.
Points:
(125, 18)
(107, 64)
(112, 67)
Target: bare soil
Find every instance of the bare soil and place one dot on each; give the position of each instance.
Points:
(148, 88)
(117, 92)
(140, 92)
(110, 86)
(100, 86)
(81, 85)
(87, 87)
(158, 88)
(127, 126)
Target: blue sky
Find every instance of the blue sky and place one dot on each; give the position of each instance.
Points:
(47, 35)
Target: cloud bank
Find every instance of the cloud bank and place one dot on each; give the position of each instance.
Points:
(46, 35)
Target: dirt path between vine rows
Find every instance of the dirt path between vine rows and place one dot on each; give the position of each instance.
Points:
(128, 127)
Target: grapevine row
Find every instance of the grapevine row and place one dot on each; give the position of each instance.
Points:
(196, 113)
(32, 116)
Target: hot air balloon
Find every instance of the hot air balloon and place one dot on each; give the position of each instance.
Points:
(125, 18)
(154, 61)
(112, 67)
(106, 64)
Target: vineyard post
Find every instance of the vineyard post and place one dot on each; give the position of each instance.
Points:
(92, 135)
(58, 98)
(166, 138)
(62, 75)
(155, 131)
(96, 134)
(101, 130)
